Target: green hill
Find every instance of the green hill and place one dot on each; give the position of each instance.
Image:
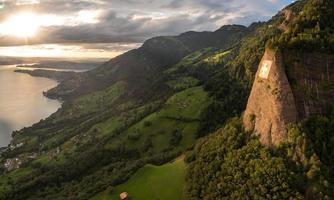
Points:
(312, 29)
(237, 166)
(152, 182)
(136, 109)
(139, 67)
(127, 113)
(233, 164)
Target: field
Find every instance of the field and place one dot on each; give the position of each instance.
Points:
(165, 129)
(164, 182)
(201, 59)
(175, 124)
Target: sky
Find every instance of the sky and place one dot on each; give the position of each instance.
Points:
(107, 28)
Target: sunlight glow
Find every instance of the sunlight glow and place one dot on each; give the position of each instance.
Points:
(27, 2)
(26, 25)
(57, 51)
(88, 17)
(21, 25)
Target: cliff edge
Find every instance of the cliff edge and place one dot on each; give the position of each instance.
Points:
(271, 105)
(289, 86)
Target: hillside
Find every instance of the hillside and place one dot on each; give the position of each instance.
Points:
(131, 111)
(232, 165)
(282, 147)
(155, 103)
(152, 182)
(139, 67)
(295, 78)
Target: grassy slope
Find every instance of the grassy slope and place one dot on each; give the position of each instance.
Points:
(164, 182)
(85, 106)
(95, 102)
(208, 57)
(94, 122)
(181, 112)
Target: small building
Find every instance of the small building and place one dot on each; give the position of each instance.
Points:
(123, 196)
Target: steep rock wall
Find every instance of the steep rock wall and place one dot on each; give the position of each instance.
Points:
(311, 76)
(289, 86)
(271, 105)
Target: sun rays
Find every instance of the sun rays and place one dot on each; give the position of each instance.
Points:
(27, 24)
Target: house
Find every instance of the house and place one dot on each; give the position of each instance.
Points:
(123, 196)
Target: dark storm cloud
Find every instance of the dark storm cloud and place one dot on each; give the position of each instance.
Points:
(133, 21)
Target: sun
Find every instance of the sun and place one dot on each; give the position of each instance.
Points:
(23, 25)
(27, 24)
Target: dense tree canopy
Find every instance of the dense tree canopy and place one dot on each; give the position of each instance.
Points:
(313, 28)
(229, 165)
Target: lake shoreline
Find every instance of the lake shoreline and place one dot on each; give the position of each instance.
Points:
(23, 102)
(51, 74)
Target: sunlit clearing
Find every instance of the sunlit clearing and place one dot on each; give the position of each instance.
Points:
(20, 25)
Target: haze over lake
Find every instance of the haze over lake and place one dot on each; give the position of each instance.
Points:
(22, 102)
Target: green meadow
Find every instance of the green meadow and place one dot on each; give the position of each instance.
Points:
(151, 182)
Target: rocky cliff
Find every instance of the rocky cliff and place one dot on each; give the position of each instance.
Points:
(311, 76)
(289, 86)
(271, 105)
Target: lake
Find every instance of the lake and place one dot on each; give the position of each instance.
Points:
(22, 102)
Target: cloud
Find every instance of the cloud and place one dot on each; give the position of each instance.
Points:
(133, 21)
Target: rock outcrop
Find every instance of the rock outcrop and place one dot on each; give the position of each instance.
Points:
(271, 105)
(289, 86)
(311, 76)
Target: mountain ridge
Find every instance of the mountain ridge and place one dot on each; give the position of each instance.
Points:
(155, 50)
(130, 114)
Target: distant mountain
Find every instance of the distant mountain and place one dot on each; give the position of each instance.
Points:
(55, 63)
(140, 67)
(63, 65)
(56, 75)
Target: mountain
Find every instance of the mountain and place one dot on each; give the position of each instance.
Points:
(143, 107)
(52, 63)
(298, 75)
(184, 95)
(282, 147)
(139, 67)
(299, 86)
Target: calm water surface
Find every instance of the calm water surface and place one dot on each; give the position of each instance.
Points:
(21, 101)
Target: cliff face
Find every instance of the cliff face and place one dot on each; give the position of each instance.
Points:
(311, 76)
(288, 87)
(271, 105)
